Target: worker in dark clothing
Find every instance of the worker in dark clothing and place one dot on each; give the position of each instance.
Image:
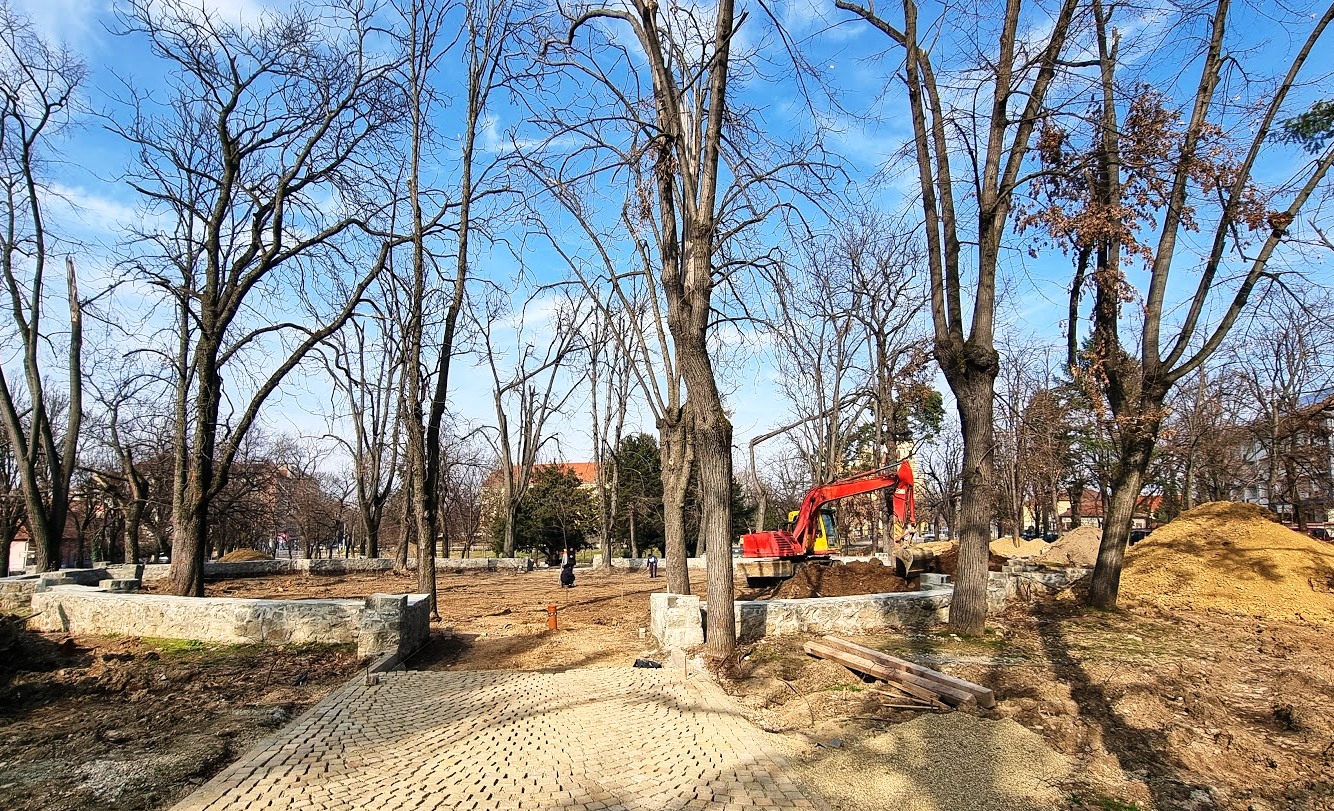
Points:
(652, 564)
(567, 569)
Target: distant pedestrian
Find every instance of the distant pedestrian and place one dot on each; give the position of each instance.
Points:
(567, 569)
(652, 565)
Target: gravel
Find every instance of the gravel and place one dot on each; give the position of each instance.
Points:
(951, 761)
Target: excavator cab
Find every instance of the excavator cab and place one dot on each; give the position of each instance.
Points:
(826, 530)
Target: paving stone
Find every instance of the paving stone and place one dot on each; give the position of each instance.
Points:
(613, 739)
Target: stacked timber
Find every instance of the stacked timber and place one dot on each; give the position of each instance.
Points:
(911, 685)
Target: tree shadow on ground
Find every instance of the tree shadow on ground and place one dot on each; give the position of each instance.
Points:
(1140, 750)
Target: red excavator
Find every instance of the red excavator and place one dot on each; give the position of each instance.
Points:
(773, 555)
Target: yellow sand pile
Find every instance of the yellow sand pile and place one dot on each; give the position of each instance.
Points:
(238, 555)
(1229, 557)
(1008, 548)
(1078, 547)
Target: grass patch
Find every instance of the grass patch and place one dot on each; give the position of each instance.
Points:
(174, 647)
(1103, 803)
(848, 688)
(199, 652)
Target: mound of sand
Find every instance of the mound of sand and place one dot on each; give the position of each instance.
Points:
(1009, 548)
(1078, 547)
(1229, 557)
(239, 555)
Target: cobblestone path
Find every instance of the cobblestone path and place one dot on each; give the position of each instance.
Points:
(591, 739)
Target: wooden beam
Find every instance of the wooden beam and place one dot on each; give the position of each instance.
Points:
(985, 697)
(910, 682)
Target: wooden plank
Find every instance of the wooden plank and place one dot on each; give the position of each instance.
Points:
(985, 697)
(895, 692)
(918, 686)
(862, 664)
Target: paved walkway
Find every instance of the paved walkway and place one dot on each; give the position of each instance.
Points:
(616, 738)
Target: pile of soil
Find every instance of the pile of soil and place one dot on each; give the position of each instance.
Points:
(1231, 557)
(1078, 547)
(240, 555)
(841, 580)
(947, 562)
(1009, 548)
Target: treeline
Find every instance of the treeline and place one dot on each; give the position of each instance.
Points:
(402, 208)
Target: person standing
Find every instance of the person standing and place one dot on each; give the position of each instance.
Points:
(567, 569)
(652, 564)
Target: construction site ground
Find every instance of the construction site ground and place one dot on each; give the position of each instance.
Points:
(1141, 708)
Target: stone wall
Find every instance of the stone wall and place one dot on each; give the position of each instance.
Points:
(378, 624)
(218, 570)
(641, 565)
(16, 593)
(678, 621)
(861, 614)
(1025, 582)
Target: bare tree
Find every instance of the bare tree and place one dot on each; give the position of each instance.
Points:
(132, 432)
(529, 392)
(37, 86)
(986, 138)
(365, 366)
(467, 461)
(702, 179)
(626, 292)
(1147, 170)
(1286, 373)
(12, 506)
(489, 29)
(848, 339)
(610, 381)
(256, 163)
(941, 462)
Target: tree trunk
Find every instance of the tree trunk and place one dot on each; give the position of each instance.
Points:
(187, 553)
(712, 434)
(405, 535)
(885, 521)
(1126, 482)
(674, 452)
(189, 542)
(713, 448)
(425, 518)
(973, 382)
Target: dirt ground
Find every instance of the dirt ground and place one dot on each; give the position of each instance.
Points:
(104, 723)
(1154, 710)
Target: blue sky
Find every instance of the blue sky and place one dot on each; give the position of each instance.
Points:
(96, 202)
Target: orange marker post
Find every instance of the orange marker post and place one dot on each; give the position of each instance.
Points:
(551, 617)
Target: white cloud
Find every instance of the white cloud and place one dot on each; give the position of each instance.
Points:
(73, 22)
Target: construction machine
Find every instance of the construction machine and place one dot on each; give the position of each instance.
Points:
(773, 555)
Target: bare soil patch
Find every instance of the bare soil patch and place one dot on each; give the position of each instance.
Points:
(103, 723)
(1152, 710)
(1078, 547)
(498, 620)
(1019, 548)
